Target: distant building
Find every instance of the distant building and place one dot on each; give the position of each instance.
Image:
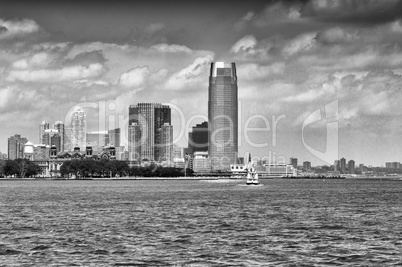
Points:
(361, 168)
(16, 145)
(393, 165)
(97, 140)
(43, 126)
(166, 143)
(343, 165)
(198, 138)
(59, 126)
(293, 162)
(178, 152)
(114, 137)
(337, 165)
(222, 116)
(351, 166)
(201, 162)
(306, 165)
(134, 141)
(78, 128)
(150, 117)
(278, 170)
(55, 140)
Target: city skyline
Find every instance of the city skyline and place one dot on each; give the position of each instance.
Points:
(292, 58)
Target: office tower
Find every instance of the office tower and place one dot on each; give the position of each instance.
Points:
(134, 141)
(361, 168)
(114, 137)
(336, 165)
(307, 165)
(16, 147)
(198, 138)
(78, 128)
(343, 165)
(222, 116)
(166, 143)
(42, 128)
(293, 162)
(150, 117)
(59, 126)
(55, 140)
(351, 166)
(47, 135)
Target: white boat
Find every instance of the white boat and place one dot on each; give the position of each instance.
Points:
(252, 174)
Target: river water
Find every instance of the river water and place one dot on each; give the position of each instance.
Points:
(201, 223)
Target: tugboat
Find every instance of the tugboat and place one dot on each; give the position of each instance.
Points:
(252, 175)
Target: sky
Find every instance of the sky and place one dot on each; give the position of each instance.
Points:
(309, 72)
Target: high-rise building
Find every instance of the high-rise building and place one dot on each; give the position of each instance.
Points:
(307, 165)
(16, 145)
(198, 138)
(293, 162)
(150, 117)
(351, 166)
(222, 116)
(47, 135)
(43, 126)
(134, 141)
(343, 165)
(55, 140)
(78, 128)
(166, 143)
(114, 137)
(59, 126)
(336, 165)
(361, 168)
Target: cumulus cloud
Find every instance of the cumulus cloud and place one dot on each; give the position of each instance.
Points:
(134, 78)
(248, 46)
(166, 48)
(303, 42)
(190, 73)
(335, 35)
(56, 75)
(252, 71)
(17, 28)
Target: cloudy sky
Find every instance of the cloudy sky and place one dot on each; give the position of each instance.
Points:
(292, 57)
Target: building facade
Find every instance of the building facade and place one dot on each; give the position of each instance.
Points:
(78, 128)
(293, 162)
(222, 116)
(114, 137)
(343, 165)
(150, 117)
(59, 126)
(166, 144)
(134, 142)
(16, 145)
(351, 166)
(306, 165)
(198, 138)
(43, 126)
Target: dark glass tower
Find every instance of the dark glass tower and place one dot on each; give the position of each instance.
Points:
(198, 138)
(150, 117)
(222, 116)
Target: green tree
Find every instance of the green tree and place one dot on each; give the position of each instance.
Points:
(11, 168)
(2, 165)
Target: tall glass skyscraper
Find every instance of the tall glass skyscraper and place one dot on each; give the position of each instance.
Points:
(150, 117)
(222, 116)
(42, 128)
(78, 128)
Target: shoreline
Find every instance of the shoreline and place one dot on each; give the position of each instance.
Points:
(196, 178)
